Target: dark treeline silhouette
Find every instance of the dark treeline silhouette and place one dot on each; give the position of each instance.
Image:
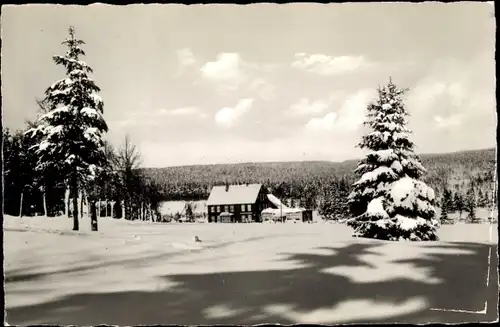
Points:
(315, 182)
(122, 190)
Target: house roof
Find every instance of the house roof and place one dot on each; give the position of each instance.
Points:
(276, 202)
(236, 194)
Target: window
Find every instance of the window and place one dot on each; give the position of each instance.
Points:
(225, 208)
(218, 208)
(242, 208)
(231, 208)
(212, 209)
(249, 207)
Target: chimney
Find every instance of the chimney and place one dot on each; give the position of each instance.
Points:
(227, 186)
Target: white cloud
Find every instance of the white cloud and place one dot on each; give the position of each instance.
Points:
(263, 88)
(326, 122)
(348, 118)
(448, 122)
(452, 87)
(227, 117)
(227, 70)
(327, 65)
(352, 113)
(425, 94)
(306, 107)
(186, 57)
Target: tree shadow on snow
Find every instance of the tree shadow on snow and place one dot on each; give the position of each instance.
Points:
(248, 297)
(19, 275)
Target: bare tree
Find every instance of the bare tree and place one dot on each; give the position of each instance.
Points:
(127, 161)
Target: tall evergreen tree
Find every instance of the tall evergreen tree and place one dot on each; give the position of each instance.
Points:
(459, 204)
(446, 202)
(482, 199)
(327, 203)
(388, 201)
(333, 205)
(70, 133)
(470, 206)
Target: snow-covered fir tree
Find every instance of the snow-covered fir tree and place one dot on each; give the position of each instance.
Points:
(446, 204)
(471, 206)
(389, 201)
(333, 205)
(70, 134)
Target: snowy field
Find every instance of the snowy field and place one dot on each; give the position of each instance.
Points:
(132, 273)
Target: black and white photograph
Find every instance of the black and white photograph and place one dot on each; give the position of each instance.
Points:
(246, 164)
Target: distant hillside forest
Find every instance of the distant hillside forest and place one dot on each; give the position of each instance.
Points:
(309, 182)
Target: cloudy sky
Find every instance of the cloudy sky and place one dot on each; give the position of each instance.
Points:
(264, 82)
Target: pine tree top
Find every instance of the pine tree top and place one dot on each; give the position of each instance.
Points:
(70, 130)
(386, 119)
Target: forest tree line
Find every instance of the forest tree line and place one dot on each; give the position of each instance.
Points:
(325, 185)
(122, 190)
(136, 193)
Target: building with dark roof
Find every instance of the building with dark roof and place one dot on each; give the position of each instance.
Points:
(237, 203)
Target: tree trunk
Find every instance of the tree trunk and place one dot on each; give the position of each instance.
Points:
(44, 198)
(111, 208)
(142, 211)
(66, 202)
(93, 217)
(74, 189)
(99, 208)
(106, 212)
(87, 205)
(80, 199)
(21, 205)
(125, 209)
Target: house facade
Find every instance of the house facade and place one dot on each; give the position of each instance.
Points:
(237, 203)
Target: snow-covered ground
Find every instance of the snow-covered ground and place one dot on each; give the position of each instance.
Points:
(151, 273)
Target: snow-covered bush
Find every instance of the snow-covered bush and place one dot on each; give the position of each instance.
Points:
(389, 201)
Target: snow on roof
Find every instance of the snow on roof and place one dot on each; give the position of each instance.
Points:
(277, 202)
(236, 194)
